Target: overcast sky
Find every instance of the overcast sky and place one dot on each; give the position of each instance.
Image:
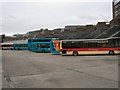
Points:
(21, 17)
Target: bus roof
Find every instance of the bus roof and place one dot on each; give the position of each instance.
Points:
(41, 42)
(85, 39)
(5, 43)
(37, 38)
(21, 41)
(43, 38)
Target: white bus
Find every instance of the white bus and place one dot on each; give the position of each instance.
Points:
(6, 46)
(90, 46)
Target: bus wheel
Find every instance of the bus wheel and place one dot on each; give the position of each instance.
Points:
(43, 51)
(111, 52)
(75, 53)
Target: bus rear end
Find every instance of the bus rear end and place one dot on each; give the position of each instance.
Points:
(22, 46)
(56, 45)
(7, 46)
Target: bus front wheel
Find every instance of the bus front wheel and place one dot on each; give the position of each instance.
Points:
(75, 53)
(111, 52)
(43, 51)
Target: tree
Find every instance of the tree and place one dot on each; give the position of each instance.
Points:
(2, 38)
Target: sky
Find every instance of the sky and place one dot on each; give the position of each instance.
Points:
(18, 16)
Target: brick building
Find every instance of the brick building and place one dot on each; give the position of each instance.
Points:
(116, 9)
(116, 13)
(102, 25)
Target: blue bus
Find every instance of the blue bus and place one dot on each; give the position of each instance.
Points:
(41, 45)
(20, 45)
